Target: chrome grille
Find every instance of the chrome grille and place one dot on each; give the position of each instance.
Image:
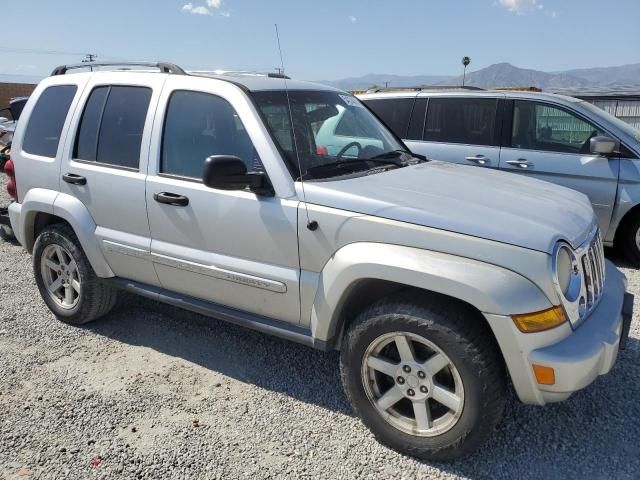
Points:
(593, 267)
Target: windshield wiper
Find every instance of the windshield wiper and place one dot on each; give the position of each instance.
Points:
(397, 153)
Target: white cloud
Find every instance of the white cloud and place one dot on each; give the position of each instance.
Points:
(214, 3)
(225, 13)
(189, 8)
(521, 7)
(352, 19)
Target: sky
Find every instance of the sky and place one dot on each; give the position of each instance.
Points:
(322, 39)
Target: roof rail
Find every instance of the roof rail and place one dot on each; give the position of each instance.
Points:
(164, 67)
(422, 88)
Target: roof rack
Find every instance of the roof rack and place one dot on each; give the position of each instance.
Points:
(164, 67)
(422, 88)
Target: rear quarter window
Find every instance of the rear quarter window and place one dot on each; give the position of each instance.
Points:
(44, 127)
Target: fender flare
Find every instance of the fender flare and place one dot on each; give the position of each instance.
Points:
(488, 288)
(69, 208)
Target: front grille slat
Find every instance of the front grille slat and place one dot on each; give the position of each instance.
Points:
(593, 268)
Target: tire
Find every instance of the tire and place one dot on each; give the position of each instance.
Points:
(90, 298)
(475, 374)
(629, 240)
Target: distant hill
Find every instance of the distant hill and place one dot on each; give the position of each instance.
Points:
(505, 75)
(379, 79)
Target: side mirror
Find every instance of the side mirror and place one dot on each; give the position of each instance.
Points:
(603, 145)
(228, 172)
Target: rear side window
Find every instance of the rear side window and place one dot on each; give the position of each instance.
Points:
(469, 121)
(394, 112)
(112, 125)
(42, 135)
(199, 125)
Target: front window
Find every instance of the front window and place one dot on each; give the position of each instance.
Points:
(334, 133)
(538, 126)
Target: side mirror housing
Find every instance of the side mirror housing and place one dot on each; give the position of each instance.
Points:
(603, 145)
(228, 172)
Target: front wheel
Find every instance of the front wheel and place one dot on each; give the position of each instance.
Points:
(424, 375)
(630, 240)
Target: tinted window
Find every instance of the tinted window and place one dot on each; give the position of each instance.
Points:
(87, 141)
(416, 124)
(352, 126)
(112, 125)
(199, 125)
(47, 119)
(395, 112)
(461, 120)
(537, 126)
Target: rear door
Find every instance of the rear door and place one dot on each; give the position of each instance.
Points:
(463, 130)
(104, 166)
(550, 142)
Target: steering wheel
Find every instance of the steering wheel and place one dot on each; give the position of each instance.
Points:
(346, 148)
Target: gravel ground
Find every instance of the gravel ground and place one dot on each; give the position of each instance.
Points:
(154, 392)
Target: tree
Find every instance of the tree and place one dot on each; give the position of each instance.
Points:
(465, 61)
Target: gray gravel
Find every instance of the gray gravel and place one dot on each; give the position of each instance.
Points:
(154, 392)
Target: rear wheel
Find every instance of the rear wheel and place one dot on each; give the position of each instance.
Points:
(425, 376)
(66, 280)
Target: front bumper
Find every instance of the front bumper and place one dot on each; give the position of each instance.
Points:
(578, 356)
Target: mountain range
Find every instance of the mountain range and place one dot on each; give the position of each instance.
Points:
(505, 75)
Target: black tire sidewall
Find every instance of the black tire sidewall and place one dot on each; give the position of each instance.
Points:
(462, 436)
(55, 236)
(631, 250)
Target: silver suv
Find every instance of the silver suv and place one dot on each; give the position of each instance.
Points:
(225, 195)
(550, 137)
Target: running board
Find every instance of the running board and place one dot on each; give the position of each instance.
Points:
(262, 324)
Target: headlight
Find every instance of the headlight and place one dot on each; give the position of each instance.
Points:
(566, 272)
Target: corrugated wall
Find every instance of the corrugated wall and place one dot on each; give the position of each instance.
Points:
(627, 110)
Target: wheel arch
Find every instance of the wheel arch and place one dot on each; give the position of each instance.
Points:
(41, 208)
(362, 273)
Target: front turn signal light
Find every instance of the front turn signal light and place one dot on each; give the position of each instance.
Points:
(539, 321)
(544, 375)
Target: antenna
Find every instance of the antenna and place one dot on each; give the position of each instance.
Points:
(311, 224)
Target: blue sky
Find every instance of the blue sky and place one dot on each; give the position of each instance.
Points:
(326, 39)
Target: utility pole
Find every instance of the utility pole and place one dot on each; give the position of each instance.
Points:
(465, 61)
(89, 58)
(386, 84)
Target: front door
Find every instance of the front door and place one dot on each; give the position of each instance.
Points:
(552, 143)
(104, 166)
(233, 248)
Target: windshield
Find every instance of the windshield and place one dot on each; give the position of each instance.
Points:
(620, 124)
(334, 133)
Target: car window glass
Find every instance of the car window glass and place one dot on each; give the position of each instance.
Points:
(112, 125)
(351, 126)
(395, 112)
(42, 135)
(87, 140)
(416, 124)
(461, 120)
(537, 126)
(199, 125)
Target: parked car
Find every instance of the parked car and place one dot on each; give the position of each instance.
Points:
(225, 195)
(550, 137)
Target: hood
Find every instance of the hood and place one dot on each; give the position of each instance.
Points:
(481, 202)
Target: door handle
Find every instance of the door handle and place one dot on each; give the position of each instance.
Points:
(479, 159)
(521, 162)
(74, 179)
(171, 199)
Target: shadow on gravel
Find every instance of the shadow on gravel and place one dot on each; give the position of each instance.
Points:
(594, 434)
(268, 362)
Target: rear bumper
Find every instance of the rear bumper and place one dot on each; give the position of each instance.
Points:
(577, 357)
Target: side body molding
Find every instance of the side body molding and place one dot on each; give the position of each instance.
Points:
(489, 288)
(39, 200)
